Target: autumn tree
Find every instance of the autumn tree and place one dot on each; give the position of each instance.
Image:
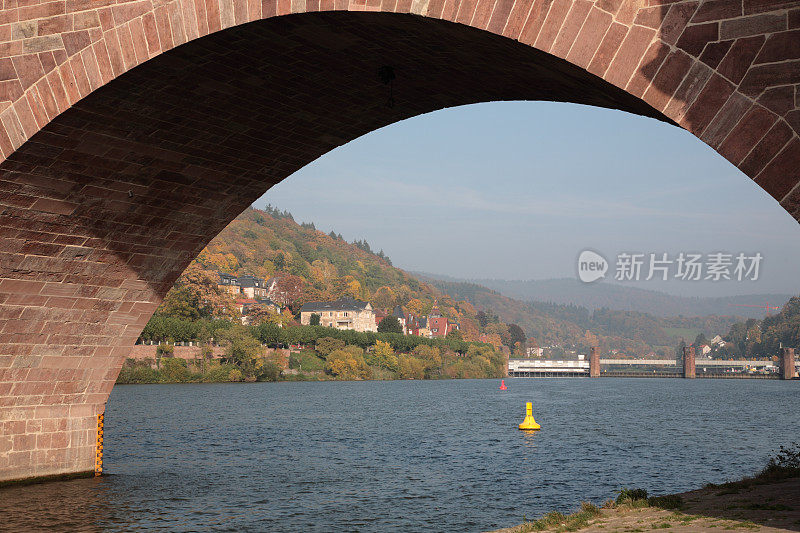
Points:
(409, 367)
(351, 287)
(469, 328)
(197, 295)
(347, 364)
(383, 298)
(415, 307)
(265, 314)
(466, 308)
(382, 355)
(431, 358)
(288, 291)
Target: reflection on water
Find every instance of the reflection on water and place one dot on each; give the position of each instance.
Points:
(529, 439)
(372, 456)
(76, 505)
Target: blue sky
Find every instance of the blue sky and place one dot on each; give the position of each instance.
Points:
(516, 190)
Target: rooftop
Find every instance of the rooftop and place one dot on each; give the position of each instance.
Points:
(342, 304)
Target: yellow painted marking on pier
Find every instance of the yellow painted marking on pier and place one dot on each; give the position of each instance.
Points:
(98, 458)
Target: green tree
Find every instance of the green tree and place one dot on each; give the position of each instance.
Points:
(241, 349)
(513, 336)
(483, 318)
(455, 334)
(679, 352)
(279, 262)
(175, 370)
(267, 371)
(206, 354)
(314, 319)
(390, 324)
(326, 345)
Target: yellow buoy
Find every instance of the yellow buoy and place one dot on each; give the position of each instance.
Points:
(529, 422)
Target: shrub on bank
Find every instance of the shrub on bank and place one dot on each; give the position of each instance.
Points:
(131, 374)
(175, 370)
(219, 373)
(348, 364)
(785, 464)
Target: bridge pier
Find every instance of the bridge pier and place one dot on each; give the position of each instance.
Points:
(787, 363)
(688, 362)
(594, 362)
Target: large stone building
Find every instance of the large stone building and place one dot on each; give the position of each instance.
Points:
(344, 313)
(246, 285)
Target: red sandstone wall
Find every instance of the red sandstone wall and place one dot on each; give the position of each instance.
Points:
(689, 370)
(191, 353)
(594, 362)
(787, 363)
(54, 53)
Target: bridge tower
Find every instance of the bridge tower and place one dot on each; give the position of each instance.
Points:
(787, 363)
(688, 362)
(594, 362)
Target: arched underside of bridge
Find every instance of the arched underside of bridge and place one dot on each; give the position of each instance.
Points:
(115, 177)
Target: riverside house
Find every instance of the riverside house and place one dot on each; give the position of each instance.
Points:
(248, 286)
(344, 313)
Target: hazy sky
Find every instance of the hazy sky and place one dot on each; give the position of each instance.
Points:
(517, 190)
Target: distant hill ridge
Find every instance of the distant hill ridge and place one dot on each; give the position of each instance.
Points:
(569, 291)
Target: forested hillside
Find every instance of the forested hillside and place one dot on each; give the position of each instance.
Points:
(552, 323)
(764, 338)
(323, 266)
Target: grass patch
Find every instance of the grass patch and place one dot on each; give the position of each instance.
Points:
(743, 525)
(559, 522)
(637, 498)
(630, 495)
(306, 361)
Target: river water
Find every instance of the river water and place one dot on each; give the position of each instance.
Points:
(404, 455)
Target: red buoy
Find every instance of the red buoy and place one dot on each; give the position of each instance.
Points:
(503, 384)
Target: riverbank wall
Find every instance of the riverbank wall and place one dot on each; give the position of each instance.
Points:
(146, 353)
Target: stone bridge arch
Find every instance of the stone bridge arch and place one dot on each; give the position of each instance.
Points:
(132, 132)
